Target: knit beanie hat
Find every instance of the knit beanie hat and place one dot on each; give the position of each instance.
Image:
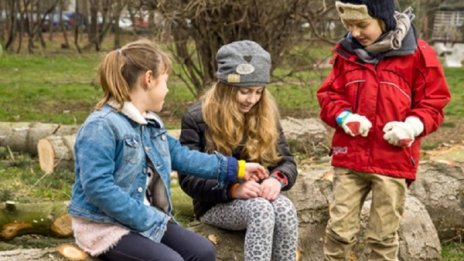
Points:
(243, 63)
(362, 9)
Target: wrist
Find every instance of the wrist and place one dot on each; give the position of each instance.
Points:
(280, 177)
(342, 116)
(416, 125)
(241, 169)
(232, 170)
(233, 190)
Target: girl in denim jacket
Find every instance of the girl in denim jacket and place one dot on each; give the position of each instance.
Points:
(121, 205)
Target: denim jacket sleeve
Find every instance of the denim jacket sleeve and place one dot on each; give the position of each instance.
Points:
(96, 149)
(210, 166)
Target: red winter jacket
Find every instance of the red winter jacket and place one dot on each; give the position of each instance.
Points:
(393, 89)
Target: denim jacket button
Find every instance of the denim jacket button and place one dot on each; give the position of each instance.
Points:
(140, 189)
(163, 137)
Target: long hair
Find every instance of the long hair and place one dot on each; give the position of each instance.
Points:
(120, 69)
(228, 127)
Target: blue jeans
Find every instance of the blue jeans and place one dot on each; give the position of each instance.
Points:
(177, 244)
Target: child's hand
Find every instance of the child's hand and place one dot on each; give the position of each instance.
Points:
(270, 189)
(402, 134)
(354, 124)
(247, 189)
(255, 171)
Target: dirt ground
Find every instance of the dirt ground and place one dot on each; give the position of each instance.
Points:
(450, 132)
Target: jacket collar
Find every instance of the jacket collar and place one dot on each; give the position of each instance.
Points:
(130, 111)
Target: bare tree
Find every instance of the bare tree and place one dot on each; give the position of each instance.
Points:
(200, 27)
(63, 28)
(104, 16)
(11, 23)
(3, 22)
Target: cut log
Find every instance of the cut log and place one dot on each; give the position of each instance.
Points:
(24, 136)
(48, 218)
(45, 254)
(35, 254)
(72, 252)
(56, 152)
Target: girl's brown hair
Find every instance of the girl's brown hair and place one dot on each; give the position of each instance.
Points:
(228, 127)
(121, 68)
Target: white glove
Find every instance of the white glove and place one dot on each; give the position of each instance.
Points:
(402, 134)
(354, 124)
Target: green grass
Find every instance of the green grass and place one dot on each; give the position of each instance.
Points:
(62, 88)
(453, 251)
(455, 79)
(23, 181)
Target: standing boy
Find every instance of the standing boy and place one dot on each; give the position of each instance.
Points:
(385, 92)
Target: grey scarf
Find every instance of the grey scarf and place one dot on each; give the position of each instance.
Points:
(401, 41)
(394, 39)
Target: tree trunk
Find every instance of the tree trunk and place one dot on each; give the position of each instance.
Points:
(49, 218)
(56, 152)
(24, 136)
(311, 196)
(440, 186)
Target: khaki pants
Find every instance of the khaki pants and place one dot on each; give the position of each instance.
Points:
(350, 190)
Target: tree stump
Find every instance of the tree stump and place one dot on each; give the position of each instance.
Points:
(418, 238)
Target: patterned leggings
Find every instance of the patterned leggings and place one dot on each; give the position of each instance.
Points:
(271, 227)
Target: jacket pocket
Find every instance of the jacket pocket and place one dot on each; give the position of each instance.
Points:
(396, 97)
(133, 151)
(160, 141)
(353, 89)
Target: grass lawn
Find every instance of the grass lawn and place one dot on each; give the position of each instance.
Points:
(63, 89)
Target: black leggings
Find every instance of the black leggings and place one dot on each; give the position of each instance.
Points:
(177, 244)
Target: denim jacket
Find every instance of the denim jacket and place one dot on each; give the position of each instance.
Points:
(112, 152)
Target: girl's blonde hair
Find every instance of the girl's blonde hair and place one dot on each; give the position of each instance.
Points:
(228, 127)
(121, 68)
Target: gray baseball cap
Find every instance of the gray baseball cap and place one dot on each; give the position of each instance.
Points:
(243, 63)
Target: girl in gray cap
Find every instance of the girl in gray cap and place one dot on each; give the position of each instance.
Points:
(239, 117)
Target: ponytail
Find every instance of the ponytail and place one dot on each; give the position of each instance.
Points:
(114, 85)
(121, 68)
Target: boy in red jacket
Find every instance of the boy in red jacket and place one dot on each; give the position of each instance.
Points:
(386, 90)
